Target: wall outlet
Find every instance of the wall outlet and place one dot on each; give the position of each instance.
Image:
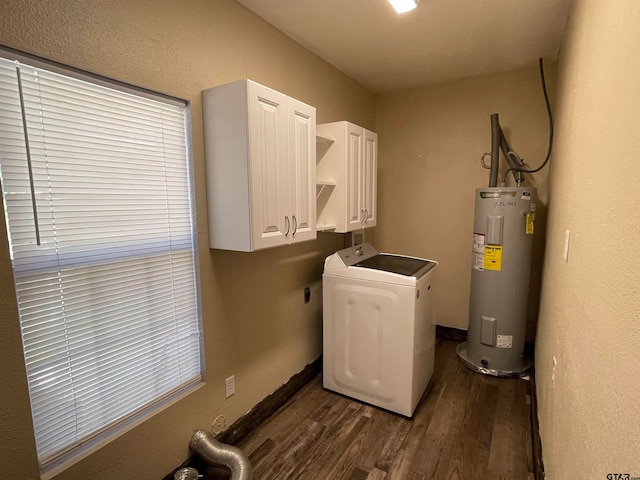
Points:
(229, 386)
(219, 425)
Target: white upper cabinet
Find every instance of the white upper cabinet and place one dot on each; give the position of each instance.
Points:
(346, 177)
(302, 169)
(370, 178)
(260, 164)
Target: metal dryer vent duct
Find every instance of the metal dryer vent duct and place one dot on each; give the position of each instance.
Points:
(204, 444)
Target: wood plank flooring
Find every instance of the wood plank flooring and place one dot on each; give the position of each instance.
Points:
(467, 427)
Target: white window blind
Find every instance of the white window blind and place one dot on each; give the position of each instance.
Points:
(98, 202)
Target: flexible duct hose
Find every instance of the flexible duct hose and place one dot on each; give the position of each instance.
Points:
(204, 444)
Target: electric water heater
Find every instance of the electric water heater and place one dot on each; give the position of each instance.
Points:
(501, 252)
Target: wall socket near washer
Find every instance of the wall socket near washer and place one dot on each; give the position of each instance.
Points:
(229, 386)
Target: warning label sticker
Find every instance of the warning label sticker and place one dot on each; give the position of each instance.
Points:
(478, 243)
(478, 261)
(504, 341)
(529, 224)
(493, 257)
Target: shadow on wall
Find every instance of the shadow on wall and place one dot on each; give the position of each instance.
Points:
(258, 298)
(537, 262)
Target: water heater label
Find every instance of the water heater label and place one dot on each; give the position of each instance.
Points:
(478, 261)
(478, 243)
(493, 257)
(504, 341)
(529, 224)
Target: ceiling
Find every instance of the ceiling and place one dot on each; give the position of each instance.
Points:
(438, 41)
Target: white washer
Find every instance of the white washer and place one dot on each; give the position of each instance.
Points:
(378, 334)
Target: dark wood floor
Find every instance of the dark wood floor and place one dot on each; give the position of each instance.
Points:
(467, 426)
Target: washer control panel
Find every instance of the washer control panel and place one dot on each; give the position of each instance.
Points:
(356, 254)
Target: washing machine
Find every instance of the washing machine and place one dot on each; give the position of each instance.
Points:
(378, 333)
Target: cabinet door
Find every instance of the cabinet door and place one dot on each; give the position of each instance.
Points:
(370, 176)
(354, 176)
(302, 170)
(271, 220)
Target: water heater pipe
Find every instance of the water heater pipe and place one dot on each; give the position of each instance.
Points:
(204, 444)
(509, 154)
(496, 140)
(499, 142)
(521, 168)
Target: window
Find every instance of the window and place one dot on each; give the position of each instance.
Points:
(97, 193)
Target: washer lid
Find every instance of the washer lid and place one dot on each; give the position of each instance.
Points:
(408, 266)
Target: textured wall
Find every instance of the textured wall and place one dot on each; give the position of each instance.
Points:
(431, 140)
(17, 446)
(589, 407)
(256, 324)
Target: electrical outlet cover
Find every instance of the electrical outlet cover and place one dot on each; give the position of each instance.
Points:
(229, 386)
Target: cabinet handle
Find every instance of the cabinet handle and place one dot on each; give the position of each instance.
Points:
(286, 221)
(295, 225)
(366, 215)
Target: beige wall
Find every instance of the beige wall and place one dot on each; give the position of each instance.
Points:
(256, 325)
(431, 140)
(589, 405)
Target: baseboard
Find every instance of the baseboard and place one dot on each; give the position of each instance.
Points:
(258, 414)
(267, 407)
(450, 333)
(536, 442)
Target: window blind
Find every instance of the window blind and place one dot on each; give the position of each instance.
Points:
(98, 202)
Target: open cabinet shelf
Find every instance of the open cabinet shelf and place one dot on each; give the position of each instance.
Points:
(324, 187)
(323, 138)
(346, 163)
